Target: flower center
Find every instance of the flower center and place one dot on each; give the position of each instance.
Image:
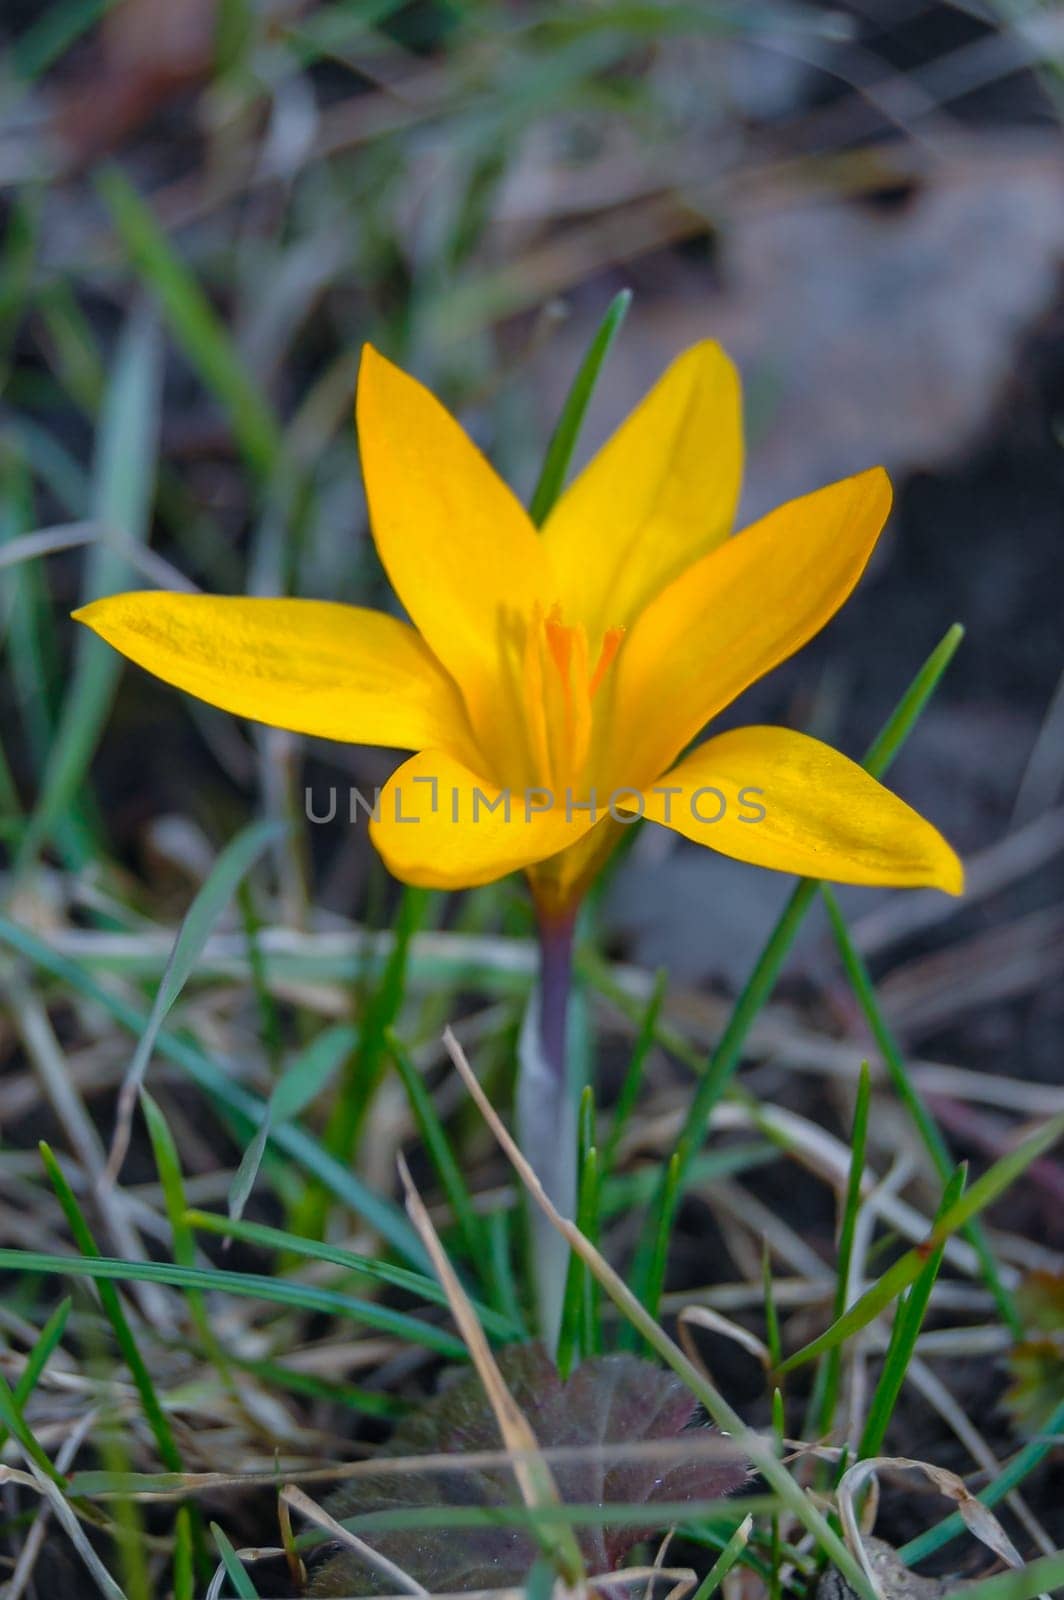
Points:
(555, 685)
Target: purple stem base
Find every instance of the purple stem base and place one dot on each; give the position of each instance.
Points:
(555, 983)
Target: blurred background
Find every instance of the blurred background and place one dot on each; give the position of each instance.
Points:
(205, 208)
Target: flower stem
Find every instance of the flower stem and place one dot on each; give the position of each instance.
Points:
(546, 1113)
(555, 982)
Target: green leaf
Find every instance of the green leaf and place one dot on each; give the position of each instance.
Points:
(563, 439)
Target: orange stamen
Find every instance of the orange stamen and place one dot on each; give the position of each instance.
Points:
(560, 641)
(611, 643)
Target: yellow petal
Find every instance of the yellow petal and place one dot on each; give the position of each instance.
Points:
(336, 671)
(659, 494)
(734, 615)
(781, 799)
(459, 549)
(440, 827)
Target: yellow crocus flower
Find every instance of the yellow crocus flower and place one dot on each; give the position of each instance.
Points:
(552, 679)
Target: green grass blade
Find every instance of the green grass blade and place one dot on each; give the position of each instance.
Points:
(906, 714)
(910, 1097)
(251, 1285)
(759, 986)
(28, 629)
(908, 1320)
(301, 1082)
(47, 1341)
(74, 353)
(502, 1274)
(908, 1267)
(1037, 1577)
(235, 1569)
(588, 1222)
(184, 1566)
(52, 463)
(541, 1580)
(633, 1076)
(195, 325)
(367, 1065)
(662, 1217)
(367, 1402)
(725, 1561)
(52, 35)
(639, 1187)
(438, 1148)
(792, 1497)
(14, 1424)
(563, 439)
(237, 859)
(826, 1394)
(39, 1357)
(18, 263)
(154, 1415)
(168, 1166)
(414, 1283)
(577, 1335)
(536, 1520)
(382, 1215)
(772, 1317)
(110, 1485)
(269, 1016)
(124, 483)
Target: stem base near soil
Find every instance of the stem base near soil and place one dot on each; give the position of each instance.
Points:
(546, 1114)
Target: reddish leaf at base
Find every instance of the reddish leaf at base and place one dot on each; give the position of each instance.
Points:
(609, 1400)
